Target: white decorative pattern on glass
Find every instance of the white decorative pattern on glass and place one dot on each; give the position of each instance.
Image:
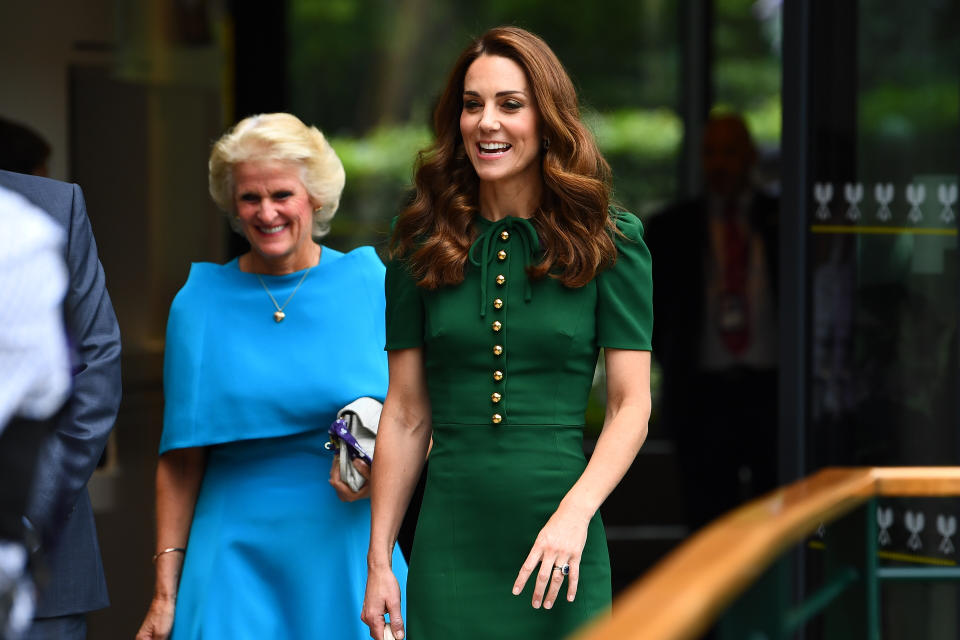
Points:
(946, 527)
(916, 194)
(884, 521)
(914, 523)
(823, 194)
(853, 193)
(947, 194)
(883, 192)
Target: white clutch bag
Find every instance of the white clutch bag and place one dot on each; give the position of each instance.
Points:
(354, 435)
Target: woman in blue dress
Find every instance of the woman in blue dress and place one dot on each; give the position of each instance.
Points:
(255, 537)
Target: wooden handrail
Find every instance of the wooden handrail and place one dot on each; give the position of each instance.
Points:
(685, 592)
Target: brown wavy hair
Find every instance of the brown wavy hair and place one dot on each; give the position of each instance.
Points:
(434, 232)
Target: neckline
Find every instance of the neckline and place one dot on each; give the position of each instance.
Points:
(235, 263)
(487, 222)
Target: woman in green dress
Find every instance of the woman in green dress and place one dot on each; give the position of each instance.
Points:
(509, 272)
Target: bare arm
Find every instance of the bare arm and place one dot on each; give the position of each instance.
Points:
(179, 473)
(402, 442)
(624, 429)
(562, 539)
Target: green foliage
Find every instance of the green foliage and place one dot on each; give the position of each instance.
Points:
(641, 146)
(654, 133)
(746, 69)
(744, 83)
(358, 64)
(387, 152)
(896, 111)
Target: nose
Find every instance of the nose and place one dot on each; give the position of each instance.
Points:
(488, 120)
(268, 210)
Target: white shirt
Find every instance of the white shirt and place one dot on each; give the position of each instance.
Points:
(34, 359)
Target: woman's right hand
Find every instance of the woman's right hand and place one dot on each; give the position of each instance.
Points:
(382, 597)
(344, 492)
(159, 620)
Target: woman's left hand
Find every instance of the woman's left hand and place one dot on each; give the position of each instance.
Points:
(559, 543)
(344, 492)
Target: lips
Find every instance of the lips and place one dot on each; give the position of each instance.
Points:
(269, 231)
(493, 149)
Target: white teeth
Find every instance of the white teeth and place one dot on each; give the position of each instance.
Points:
(275, 229)
(493, 146)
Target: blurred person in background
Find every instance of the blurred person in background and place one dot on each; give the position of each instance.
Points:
(254, 540)
(35, 363)
(715, 294)
(58, 514)
(510, 271)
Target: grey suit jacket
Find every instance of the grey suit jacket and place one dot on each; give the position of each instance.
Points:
(59, 505)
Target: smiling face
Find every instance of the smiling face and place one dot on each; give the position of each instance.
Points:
(276, 216)
(500, 123)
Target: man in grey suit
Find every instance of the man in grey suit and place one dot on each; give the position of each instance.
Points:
(59, 507)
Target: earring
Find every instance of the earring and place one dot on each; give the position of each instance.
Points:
(546, 143)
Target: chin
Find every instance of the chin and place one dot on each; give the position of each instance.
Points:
(273, 252)
(491, 175)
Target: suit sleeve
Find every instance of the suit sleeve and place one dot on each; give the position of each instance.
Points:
(70, 455)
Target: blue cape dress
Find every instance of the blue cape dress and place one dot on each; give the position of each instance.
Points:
(273, 553)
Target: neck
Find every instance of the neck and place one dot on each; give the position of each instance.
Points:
(253, 262)
(519, 197)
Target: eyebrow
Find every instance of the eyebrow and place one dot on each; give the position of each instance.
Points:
(499, 94)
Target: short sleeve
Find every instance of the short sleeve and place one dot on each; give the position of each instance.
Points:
(625, 290)
(404, 315)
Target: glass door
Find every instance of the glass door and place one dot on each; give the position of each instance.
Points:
(878, 143)
(882, 221)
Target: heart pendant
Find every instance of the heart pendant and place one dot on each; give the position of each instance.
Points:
(279, 316)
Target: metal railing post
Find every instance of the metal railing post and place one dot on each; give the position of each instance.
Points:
(871, 580)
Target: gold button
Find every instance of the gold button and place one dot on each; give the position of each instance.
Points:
(495, 398)
(504, 235)
(497, 349)
(498, 304)
(501, 255)
(497, 418)
(498, 375)
(496, 326)
(501, 280)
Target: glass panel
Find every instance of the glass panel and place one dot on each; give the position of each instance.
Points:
(746, 73)
(884, 249)
(883, 278)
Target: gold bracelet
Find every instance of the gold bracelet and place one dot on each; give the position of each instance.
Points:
(168, 550)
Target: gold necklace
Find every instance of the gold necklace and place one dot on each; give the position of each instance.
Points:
(279, 315)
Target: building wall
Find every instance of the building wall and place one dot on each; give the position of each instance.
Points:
(40, 40)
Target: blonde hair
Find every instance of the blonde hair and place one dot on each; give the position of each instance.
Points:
(279, 137)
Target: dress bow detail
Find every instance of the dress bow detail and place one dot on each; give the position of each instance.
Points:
(484, 249)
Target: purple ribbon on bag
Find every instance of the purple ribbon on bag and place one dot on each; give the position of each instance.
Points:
(339, 431)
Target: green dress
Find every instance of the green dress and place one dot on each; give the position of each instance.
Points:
(509, 365)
